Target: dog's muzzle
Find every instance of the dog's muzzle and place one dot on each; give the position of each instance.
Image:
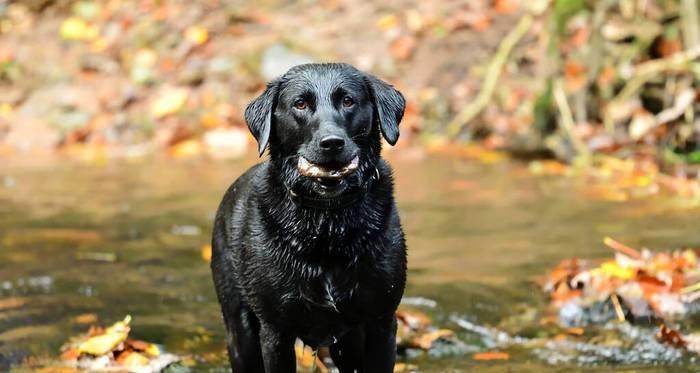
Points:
(309, 169)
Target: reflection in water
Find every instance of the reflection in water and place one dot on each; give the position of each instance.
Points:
(126, 239)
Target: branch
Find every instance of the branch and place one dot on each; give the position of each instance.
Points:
(567, 119)
(646, 71)
(492, 74)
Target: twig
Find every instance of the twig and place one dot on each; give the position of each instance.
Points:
(689, 25)
(618, 307)
(493, 72)
(567, 118)
(617, 246)
(691, 288)
(647, 70)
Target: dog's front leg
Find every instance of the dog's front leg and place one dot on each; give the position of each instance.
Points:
(380, 345)
(277, 350)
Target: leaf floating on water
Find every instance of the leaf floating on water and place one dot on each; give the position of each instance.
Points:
(425, 341)
(205, 252)
(486, 356)
(416, 330)
(403, 367)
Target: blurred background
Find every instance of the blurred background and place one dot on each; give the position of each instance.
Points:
(533, 130)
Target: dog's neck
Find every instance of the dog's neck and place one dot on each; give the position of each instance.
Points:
(342, 201)
(355, 216)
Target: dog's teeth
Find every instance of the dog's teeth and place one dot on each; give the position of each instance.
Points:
(354, 164)
(309, 169)
(303, 164)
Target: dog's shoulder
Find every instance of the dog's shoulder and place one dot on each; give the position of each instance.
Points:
(241, 189)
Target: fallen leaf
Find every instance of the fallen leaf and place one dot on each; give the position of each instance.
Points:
(487, 356)
(86, 318)
(168, 101)
(403, 367)
(11, 303)
(186, 149)
(506, 6)
(671, 337)
(574, 75)
(74, 28)
(196, 35)
(388, 21)
(138, 345)
(426, 340)
(132, 359)
(402, 47)
(206, 252)
(104, 343)
(226, 143)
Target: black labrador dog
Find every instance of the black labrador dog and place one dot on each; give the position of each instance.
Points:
(308, 244)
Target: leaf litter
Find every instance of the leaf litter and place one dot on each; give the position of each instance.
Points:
(632, 308)
(110, 349)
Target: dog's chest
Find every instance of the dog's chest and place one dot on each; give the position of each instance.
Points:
(327, 309)
(329, 289)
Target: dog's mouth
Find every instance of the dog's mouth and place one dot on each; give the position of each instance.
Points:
(328, 177)
(309, 169)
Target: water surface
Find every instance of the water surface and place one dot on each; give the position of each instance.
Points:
(123, 239)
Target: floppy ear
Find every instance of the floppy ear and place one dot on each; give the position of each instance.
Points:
(258, 115)
(390, 106)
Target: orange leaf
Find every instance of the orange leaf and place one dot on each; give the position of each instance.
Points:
(617, 246)
(206, 253)
(425, 341)
(402, 47)
(506, 6)
(671, 337)
(485, 356)
(480, 23)
(575, 76)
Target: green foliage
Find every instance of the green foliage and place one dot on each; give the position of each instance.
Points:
(564, 10)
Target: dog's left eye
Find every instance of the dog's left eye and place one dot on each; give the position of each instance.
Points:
(347, 101)
(300, 104)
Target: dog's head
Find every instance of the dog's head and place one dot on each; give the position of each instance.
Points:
(322, 123)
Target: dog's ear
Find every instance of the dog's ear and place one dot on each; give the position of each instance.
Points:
(389, 104)
(258, 115)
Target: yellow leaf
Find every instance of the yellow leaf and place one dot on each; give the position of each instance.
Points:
(5, 110)
(153, 350)
(388, 21)
(186, 149)
(74, 28)
(134, 359)
(196, 35)
(104, 343)
(169, 101)
(613, 269)
(403, 367)
(206, 253)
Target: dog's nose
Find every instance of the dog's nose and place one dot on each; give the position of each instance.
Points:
(332, 143)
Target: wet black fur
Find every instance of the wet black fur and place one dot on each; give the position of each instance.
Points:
(329, 277)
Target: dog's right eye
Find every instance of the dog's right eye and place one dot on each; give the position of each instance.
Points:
(300, 104)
